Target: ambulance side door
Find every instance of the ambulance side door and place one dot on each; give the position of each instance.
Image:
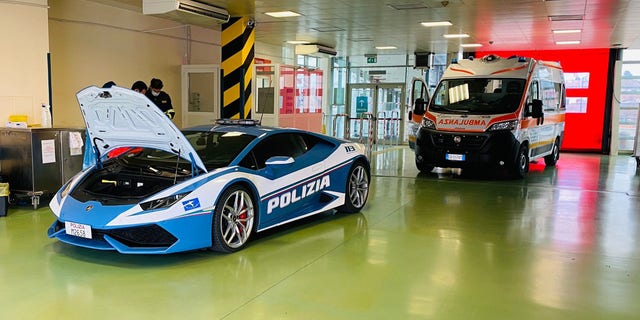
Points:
(418, 101)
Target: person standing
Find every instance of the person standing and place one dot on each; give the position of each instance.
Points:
(160, 98)
(139, 86)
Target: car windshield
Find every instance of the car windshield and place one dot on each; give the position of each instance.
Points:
(478, 96)
(218, 149)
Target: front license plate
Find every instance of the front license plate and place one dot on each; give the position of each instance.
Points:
(77, 229)
(454, 157)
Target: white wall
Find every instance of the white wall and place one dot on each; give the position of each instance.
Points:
(92, 43)
(23, 59)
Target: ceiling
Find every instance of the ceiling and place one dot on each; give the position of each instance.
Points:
(355, 27)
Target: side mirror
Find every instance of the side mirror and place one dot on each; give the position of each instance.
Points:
(278, 161)
(536, 108)
(419, 106)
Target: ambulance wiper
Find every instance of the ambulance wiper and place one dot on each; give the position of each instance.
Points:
(438, 107)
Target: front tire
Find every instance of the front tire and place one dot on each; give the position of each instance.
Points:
(422, 167)
(357, 190)
(521, 166)
(233, 220)
(551, 159)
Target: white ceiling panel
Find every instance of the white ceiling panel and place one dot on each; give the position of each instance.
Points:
(356, 26)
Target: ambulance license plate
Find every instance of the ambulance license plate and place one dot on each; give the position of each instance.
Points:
(77, 229)
(454, 157)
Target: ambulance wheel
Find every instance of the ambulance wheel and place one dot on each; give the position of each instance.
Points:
(551, 159)
(233, 220)
(357, 190)
(424, 168)
(521, 166)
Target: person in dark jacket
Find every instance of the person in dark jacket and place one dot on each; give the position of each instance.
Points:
(160, 98)
(139, 86)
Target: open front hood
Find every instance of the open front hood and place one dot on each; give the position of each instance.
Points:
(118, 117)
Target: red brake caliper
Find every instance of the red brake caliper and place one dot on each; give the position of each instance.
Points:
(242, 216)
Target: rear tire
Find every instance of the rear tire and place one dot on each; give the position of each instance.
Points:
(521, 166)
(233, 220)
(551, 159)
(357, 190)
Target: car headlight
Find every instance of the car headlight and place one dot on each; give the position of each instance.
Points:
(427, 123)
(505, 125)
(162, 202)
(67, 187)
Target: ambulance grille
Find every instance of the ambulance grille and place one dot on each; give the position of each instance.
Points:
(466, 141)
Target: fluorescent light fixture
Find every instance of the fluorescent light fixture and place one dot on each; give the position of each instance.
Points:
(568, 42)
(566, 17)
(282, 14)
(455, 35)
(298, 42)
(436, 24)
(386, 47)
(567, 31)
(471, 45)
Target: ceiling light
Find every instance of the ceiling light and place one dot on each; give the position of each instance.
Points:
(456, 35)
(568, 42)
(566, 17)
(567, 31)
(471, 45)
(386, 47)
(327, 29)
(298, 42)
(282, 14)
(407, 6)
(436, 24)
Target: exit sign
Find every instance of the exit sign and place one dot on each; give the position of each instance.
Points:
(372, 59)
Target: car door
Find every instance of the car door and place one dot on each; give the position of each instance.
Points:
(283, 160)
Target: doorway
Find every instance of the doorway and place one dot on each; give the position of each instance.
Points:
(200, 95)
(375, 107)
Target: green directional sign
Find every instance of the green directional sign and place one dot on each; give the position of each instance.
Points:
(372, 59)
(362, 105)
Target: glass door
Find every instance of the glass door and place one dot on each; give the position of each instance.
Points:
(360, 109)
(389, 111)
(200, 94)
(375, 108)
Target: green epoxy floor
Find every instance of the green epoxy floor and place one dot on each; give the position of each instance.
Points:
(564, 243)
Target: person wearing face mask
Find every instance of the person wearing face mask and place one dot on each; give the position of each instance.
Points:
(160, 98)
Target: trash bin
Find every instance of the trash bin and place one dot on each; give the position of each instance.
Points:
(4, 198)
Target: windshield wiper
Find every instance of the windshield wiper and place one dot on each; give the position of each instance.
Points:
(449, 109)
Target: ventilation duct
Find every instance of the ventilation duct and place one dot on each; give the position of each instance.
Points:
(186, 11)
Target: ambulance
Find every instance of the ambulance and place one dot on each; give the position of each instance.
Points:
(492, 113)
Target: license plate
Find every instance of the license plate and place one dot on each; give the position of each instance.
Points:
(77, 229)
(454, 157)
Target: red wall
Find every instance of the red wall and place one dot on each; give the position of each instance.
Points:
(583, 131)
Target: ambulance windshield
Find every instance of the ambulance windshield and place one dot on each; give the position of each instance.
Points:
(478, 95)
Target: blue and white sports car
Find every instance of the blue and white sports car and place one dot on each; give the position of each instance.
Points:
(152, 189)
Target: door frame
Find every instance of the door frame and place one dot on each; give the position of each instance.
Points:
(376, 87)
(199, 68)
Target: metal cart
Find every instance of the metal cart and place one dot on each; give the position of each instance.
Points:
(36, 162)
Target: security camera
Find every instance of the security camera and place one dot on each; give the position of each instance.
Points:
(444, 3)
(490, 41)
(251, 23)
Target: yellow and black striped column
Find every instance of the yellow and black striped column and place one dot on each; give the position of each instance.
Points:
(238, 39)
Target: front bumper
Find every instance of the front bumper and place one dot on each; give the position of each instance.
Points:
(189, 233)
(478, 150)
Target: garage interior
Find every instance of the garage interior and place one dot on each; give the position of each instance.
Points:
(560, 244)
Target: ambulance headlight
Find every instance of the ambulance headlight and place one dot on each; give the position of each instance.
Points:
(505, 125)
(426, 123)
